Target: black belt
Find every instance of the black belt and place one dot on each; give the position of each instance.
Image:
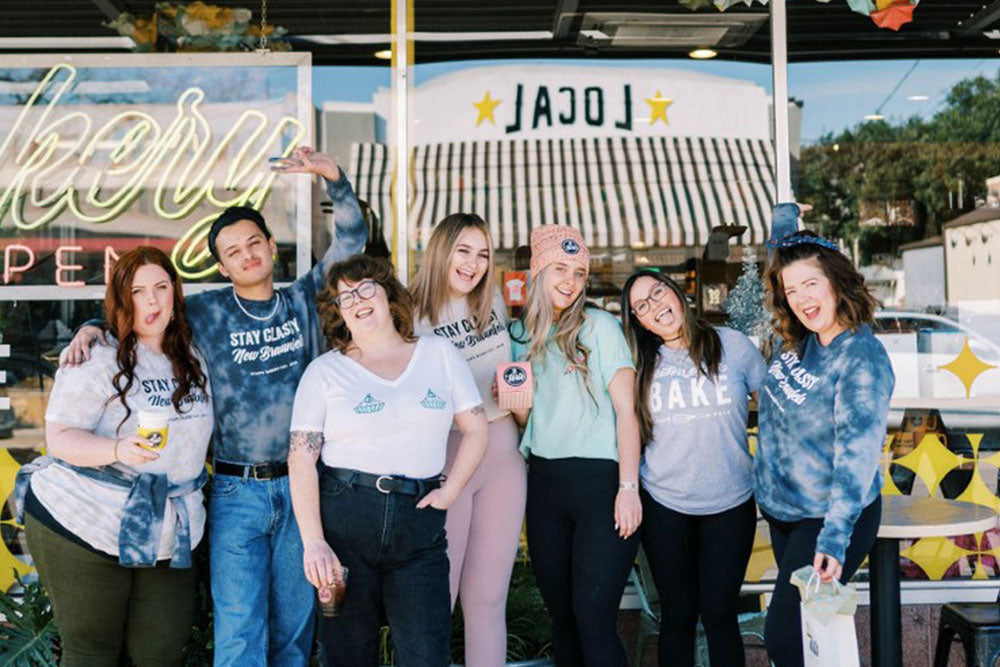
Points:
(268, 470)
(386, 483)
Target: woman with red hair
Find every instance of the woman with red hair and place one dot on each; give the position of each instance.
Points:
(111, 517)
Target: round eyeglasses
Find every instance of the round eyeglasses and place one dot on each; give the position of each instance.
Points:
(365, 290)
(642, 306)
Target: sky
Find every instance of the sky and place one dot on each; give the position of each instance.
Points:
(836, 95)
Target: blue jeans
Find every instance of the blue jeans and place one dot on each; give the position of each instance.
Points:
(263, 602)
(398, 565)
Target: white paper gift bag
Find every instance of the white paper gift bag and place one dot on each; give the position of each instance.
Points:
(830, 642)
(829, 638)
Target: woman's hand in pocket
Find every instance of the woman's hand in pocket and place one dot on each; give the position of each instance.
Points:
(440, 498)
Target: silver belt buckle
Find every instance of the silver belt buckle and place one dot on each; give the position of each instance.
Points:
(378, 484)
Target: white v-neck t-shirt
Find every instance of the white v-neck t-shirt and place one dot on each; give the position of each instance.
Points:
(386, 427)
(482, 352)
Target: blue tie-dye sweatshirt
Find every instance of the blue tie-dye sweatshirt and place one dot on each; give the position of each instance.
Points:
(255, 364)
(822, 426)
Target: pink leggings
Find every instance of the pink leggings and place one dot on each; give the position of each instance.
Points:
(484, 527)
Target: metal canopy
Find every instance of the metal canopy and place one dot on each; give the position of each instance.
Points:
(350, 31)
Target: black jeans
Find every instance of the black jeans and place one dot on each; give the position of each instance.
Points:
(698, 564)
(579, 561)
(794, 545)
(398, 565)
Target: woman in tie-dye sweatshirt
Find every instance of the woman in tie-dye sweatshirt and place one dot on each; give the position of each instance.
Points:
(823, 411)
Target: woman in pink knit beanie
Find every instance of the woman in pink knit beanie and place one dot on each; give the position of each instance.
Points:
(581, 437)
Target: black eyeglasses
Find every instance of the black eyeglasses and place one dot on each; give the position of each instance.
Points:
(365, 290)
(642, 306)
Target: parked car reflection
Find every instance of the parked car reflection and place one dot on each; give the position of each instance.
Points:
(919, 346)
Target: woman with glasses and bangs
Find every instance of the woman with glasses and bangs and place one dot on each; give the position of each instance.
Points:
(693, 383)
(376, 411)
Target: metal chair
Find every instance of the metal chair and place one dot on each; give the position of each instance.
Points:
(649, 601)
(977, 625)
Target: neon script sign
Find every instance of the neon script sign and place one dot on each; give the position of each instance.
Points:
(64, 164)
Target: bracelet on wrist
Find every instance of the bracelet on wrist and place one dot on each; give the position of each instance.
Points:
(628, 486)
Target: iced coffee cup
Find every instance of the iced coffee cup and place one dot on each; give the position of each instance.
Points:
(515, 386)
(153, 427)
(331, 598)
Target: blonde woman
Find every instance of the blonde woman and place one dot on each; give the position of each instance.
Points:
(582, 441)
(456, 298)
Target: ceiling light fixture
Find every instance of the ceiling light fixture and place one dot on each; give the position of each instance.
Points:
(384, 54)
(702, 54)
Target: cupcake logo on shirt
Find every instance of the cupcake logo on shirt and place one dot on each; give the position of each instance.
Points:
(570, 247)
(369, 405)
(432, 401)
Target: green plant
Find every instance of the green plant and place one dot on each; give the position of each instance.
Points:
(28, 637)
(386, 654)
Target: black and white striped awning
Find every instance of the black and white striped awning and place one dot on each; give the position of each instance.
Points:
(619, 191)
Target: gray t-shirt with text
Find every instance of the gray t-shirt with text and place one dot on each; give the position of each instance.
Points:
(698, 461)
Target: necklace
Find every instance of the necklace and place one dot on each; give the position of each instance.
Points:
(277, 300)
(665, 340)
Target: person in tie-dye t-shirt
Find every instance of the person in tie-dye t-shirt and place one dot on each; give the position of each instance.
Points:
(257, 340)
(823, 411)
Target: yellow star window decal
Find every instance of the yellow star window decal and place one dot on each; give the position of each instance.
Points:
(930, 461)
(485, 107)
(658, 108)
(967, 367)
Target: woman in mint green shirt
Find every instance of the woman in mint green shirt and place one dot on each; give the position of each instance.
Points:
(581, 438)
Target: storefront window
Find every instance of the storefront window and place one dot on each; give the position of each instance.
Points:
(99, 155)
(646, 158)
(665, 163)
(642, 157)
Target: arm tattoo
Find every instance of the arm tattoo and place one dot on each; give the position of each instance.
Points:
(309, 442)
(479, 410)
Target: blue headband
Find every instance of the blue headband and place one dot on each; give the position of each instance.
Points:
(794, 240)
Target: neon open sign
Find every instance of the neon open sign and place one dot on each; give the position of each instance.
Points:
(65, 163)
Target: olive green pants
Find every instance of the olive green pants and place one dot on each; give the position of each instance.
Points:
(102, 608)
